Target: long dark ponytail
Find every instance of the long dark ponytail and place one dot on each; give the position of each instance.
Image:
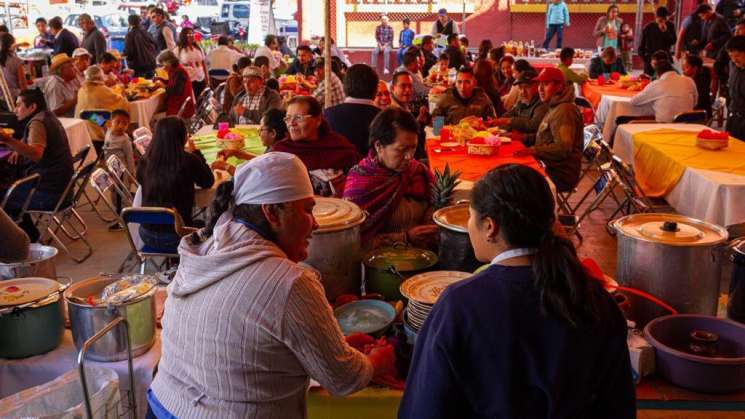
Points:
(520, 202)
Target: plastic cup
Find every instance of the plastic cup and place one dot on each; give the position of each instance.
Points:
(437, 124)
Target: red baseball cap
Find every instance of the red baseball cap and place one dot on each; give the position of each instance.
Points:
(551, 74)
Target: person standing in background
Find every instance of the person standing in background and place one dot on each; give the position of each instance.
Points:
(164, 34)
(557, 17)
(444, 26)
(607, 28)
(94, 41)
(405, 40)
(140, 49)
(731, 10)
(656, 36)
(455, 53)
(736, 102)
(691, 35)
(44, 39)
(65, 42)
(626, 45)
(716, 31)
(383, 43)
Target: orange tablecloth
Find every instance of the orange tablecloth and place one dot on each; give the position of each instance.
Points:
(473, 167)
(593, 93)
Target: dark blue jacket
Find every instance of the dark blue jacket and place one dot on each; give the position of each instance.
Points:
(352, 120)
(66, 43)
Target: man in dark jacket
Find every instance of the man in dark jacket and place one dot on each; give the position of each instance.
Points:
(65, 42)
(457, 58)
(716, 31)
(430, 59)
(736, 102)
(731, 10)
(656, 36)
(465, 99)
(303, 64)
(693, 67)
(527, 114)
(607, 62)
(94, 41)
(353, 117)
(560, 137)
(140, 49)
(721, 65)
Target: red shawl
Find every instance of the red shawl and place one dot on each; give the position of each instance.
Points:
(330, 151)
(379, 190)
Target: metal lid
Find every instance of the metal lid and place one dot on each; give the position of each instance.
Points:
(15, 292)
(670, 229)
(453, 218)
(401, 257)
(427, 287)
(333, 214)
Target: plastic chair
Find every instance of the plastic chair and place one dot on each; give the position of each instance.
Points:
(56, 219)
(32, 180)
(152, 216)
(692, 117)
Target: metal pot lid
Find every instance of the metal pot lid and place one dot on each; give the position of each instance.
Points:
(401, 257)
(334, 214)
(15, 292)
(670, 229)
(453, 218)
(427, 287)
(37, 253)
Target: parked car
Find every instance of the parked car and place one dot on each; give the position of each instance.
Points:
(117, 25)
(238, 11)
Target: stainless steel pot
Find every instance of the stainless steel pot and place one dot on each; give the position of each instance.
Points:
(87, 320)
(335, 249)
(673, 257)
(456, 252)
(40, 263)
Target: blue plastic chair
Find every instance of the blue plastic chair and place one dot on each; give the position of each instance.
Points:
(151, 216)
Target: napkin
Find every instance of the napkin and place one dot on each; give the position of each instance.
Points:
(708, 134)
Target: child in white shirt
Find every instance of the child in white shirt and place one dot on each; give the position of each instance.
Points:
(118, 142)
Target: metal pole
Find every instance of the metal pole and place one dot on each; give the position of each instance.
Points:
(463, 19)
(638, 24)
(327, 54)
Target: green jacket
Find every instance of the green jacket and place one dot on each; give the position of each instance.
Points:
(559, 141)
(454, 108)
(525, 118)
(571, 76)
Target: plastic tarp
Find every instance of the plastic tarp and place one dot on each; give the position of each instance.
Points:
(62, 398)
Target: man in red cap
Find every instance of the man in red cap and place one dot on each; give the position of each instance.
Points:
(559, 139)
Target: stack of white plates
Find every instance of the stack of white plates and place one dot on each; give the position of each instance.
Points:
(422, 291)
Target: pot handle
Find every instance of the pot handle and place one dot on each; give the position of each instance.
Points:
(64, 285)
(61, 289)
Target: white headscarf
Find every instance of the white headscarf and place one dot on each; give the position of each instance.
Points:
(272, 178)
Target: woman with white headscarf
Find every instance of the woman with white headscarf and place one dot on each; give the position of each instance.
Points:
(244, 326)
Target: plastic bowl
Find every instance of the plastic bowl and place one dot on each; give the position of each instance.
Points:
(670, 336)
(366, 316)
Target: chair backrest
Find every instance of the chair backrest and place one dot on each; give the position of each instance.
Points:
(692, 117)
(79, 157)
(593, 134)
(628, 181)
(103, 183)
(151, 216)
(582, 102)
(31, 182)
(96, 116)
(219, 73)
(183, 107)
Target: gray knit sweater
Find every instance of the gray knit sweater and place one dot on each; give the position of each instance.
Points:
(244, 328)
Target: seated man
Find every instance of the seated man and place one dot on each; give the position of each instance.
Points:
(567, 58)
(60, 89)
(669, 95)
(693, 67)
(526, 116)
(457, 58)
(256, 98)
(223, 57)
(607, 62)
(465, 99)
(44, 149)
(560, 137)
(402, 96)
(303, 64)
(109, 65)
(411, 64)
(234, 84)
(337, 88)
(352, 118)
(262, 63)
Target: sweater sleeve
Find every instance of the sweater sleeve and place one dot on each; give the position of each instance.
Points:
(312, 333)
(15, 241)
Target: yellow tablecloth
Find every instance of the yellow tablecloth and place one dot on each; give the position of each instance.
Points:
(662, 156)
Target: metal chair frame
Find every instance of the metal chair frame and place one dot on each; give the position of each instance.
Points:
(116, 167)
(137, 253)
(33, 179)
(103, 182)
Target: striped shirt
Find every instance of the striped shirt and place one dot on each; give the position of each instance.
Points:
(384, 34)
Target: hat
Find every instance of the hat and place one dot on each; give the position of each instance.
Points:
(272, 178)
(527, 76)
(116, 54)
(551, 74)
(58, 60)
(252, 71)
(442, 12)
(93, 74)
(80, 52)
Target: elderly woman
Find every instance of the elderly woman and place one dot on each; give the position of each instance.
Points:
(94, 95)
(548, 320)
(392, 187)
(251, 355)
(251, 104)
(327, 155)
(178, 86)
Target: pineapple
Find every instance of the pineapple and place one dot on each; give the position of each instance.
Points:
(443, 186)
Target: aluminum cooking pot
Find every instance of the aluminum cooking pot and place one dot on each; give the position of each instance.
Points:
(87, 320)
(675, 258)
(456, 252)
(40, 263)
(31, 317)
(387, 267)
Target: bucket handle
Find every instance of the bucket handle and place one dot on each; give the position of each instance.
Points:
(81, 366)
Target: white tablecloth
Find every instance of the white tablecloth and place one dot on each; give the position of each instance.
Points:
(142, 111)
(711, 196)
(611, 107)
(78, 136)
(19, 374)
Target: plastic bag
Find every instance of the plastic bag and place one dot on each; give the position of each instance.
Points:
(62, 398)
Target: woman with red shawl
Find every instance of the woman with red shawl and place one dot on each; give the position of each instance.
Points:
(392, 187)
(327, 155)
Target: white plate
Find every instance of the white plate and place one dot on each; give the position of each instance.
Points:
(427, 287)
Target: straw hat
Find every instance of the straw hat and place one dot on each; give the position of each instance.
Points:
(93, 74)
(251, 71)
(58, 60)
(116, 54)
(80, 52)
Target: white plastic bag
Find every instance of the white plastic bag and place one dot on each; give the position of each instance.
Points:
(62, 398)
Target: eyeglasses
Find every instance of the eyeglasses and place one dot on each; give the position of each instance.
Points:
(289, 119)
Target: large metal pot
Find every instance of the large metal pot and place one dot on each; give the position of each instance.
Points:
(456, 252)
(31, 317)
(387, 267)
(40, 263)
(87, 320)
(334, 249)
(673, 257)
